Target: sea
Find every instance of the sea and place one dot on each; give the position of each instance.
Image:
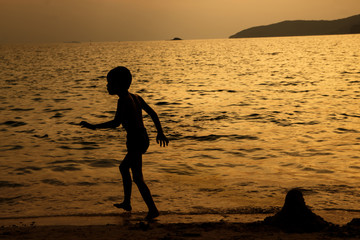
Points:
(247, 119)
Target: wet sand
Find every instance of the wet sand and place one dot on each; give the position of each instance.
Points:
(294, 221)
(125, 227)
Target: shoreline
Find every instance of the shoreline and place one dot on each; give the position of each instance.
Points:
(337, 217)
(126, 226)
(125, 218)
(295, 220)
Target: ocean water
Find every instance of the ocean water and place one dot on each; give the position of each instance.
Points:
(247, 119)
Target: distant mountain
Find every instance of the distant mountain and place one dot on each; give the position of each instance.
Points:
(350, 25)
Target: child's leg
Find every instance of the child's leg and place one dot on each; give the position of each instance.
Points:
(127, 183)
(136, 168)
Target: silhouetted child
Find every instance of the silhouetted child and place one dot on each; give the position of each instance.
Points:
(129, 114)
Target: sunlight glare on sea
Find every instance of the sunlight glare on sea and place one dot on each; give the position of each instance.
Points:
(247, 120)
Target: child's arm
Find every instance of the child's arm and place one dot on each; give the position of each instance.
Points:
(110, 124)
(160, 138)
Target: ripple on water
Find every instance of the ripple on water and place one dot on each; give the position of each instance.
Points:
(80, 148)
(54, 182)
(204, 156)
(10, 147)
(311, 169)
(310, 153)
(10, 200)
(202, 165)
(22, 109)
(14, 123)
(57, 110)
(345, 130)
(181, 169)
(7, 184)
(27, 170)
(211, 190)
(213, 137)
(103, 163)
(85, 184)
(57, 115)
(69, 167)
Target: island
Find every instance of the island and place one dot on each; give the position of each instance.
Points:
(350, 25)
(176, 39)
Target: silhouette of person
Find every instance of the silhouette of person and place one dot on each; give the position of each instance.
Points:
(129, 114)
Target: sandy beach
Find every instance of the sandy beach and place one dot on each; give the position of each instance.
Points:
(295, 220)
(105, 228)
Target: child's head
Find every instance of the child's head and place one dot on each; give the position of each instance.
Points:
(119, 79)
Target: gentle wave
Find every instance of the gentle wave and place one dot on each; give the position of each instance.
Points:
(247, 120)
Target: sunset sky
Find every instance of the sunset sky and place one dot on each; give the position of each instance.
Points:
(137, 20)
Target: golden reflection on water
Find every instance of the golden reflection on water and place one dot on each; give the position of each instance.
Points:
(247, 118)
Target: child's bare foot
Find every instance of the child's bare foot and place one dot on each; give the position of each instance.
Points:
(152, 214)
(125, 206)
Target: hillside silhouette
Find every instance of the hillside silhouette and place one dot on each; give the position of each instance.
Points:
(350, 25)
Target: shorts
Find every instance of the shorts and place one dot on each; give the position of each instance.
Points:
(137, 140)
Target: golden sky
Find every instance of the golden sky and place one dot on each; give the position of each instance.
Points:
(133, 20)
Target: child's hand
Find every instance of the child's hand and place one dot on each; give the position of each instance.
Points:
(162, 140)
(87, 125)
